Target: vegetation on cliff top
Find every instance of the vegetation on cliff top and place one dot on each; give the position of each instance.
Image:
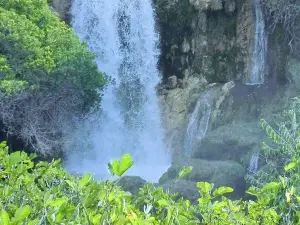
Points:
(47, 76)
(285, 13)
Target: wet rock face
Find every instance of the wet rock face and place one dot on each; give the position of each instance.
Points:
(131, 184)
(198, 37)
(62, 7)
(207, 4)
(172, 82)
(212, 38)
(231, 142)
(221, 173)
(184, 188)
(174, 105)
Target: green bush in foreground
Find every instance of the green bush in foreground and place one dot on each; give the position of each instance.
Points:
(44, 193)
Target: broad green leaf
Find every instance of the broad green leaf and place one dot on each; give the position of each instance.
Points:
(84, 180)
(289, 166)
(4, 218)
(119, 167)
(22, 213)
(58, 202)
(71, 184)
(33, 222)
(298, 214)
(3, 144)
(272, 186)
(222, 190)
(96, 219)
(204, 187)
(125, 163)
(252, 191)
(184, 171)
(163, 203)
(288, 197)
(113, 166)
(282, 181)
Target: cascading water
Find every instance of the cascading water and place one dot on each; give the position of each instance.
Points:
(256, 76)
(253, 164)
(122, 35)
(198, 123)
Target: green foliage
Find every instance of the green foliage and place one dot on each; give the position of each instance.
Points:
(31, 28)
(287, 14)
(282, 159)
(119, 167)
(282, 154)
(185, 170)
(47, 76)
(44, 193)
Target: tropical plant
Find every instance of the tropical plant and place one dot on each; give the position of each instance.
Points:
(47, 76)
(281, 160)
(44, 193)
(287, 14)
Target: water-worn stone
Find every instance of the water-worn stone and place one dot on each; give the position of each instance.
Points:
(131, 184)
(186, 189)
(292, 70)
(231, 142)
(174, 105)
(62, 7)
(172, 82)
(207, 4)
(228, 173)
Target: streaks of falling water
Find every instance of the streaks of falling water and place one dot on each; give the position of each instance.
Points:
(256, 76)
(253, 164)
(121, 33)
(198, 123)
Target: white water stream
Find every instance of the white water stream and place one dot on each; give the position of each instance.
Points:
(257, 74)
(253, 164)
(122, 35)
(198, 123)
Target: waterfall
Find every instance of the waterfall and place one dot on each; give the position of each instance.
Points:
(253, 164)
(198, 123)
(256, 76)
(121, 33)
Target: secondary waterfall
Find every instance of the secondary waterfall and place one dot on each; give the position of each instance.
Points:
(253, 164)
(256, 76)
(198, 123)
(122, 35)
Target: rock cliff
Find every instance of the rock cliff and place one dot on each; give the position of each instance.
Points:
(62, 7)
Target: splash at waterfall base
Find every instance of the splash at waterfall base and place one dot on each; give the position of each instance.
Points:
(216, 50)
(122, 35)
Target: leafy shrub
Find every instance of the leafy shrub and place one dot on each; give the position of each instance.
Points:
(47, 76)
(287, 14)
(44, 193)
(282, 159)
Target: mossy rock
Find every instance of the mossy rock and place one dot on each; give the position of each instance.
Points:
(131, 184)
(184, 188)
(230, 142)
(221, 173)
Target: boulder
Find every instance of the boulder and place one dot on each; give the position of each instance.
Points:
(131, 184)
(184, 188)
(221, 173)
(62, 7)
(207, 4)
(174, 104)
(230, 142)
(172, 82)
